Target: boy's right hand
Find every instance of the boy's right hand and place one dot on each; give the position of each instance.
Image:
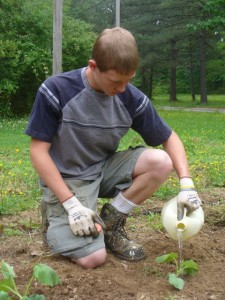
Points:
(81, 218)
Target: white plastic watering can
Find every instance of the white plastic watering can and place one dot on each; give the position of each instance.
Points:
(190, 225)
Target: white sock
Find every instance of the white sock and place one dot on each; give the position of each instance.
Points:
(122, 204)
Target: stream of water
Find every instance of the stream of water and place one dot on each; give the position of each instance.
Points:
(180, 245)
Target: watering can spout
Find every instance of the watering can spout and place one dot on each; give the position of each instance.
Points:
(181, 225)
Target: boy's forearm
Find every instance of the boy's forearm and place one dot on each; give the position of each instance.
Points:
(174, 147)
(48, 172)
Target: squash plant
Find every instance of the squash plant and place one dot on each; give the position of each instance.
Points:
(41, 272)
(185, 267)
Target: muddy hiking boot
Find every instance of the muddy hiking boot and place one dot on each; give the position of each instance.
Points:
(116, 238)
(44, 221)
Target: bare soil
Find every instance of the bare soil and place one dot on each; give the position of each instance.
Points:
(118, 279)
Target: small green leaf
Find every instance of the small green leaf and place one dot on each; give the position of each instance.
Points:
(7, 270)
(177, 282)
(6, 284)
(4, 296)
(46, 275)
(36, 297)
(166, 258)
(189, 267)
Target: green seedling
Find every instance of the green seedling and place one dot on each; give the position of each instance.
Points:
(185, 267)
(41, 272)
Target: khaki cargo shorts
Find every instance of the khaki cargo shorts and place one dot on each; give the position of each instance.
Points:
(116, 176)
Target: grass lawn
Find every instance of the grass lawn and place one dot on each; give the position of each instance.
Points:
(203, 135)
(18, 181)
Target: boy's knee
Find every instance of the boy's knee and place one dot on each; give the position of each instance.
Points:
(93, 260)
(158, 159)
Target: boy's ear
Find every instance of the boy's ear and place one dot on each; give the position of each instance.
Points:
(92, 64)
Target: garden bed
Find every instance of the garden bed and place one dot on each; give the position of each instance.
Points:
(117, 279)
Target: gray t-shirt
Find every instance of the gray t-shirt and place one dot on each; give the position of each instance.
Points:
(84, 127)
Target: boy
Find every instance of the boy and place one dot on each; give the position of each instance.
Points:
(76, 124)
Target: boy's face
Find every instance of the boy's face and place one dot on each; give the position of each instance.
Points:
(109, 82)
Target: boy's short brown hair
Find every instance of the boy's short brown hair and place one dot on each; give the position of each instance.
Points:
(116, 49)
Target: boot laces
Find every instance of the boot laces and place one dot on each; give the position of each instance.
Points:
(118, 228)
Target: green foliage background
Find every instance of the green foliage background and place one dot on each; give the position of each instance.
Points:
(26, 50)
(167, 33)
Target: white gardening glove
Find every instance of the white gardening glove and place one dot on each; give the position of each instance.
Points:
(82, 219)
(187, 197)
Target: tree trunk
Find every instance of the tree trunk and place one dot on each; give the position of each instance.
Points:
(203, 84)
(173, 69)
(147, 81)
(192, 74)
(151, 83)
